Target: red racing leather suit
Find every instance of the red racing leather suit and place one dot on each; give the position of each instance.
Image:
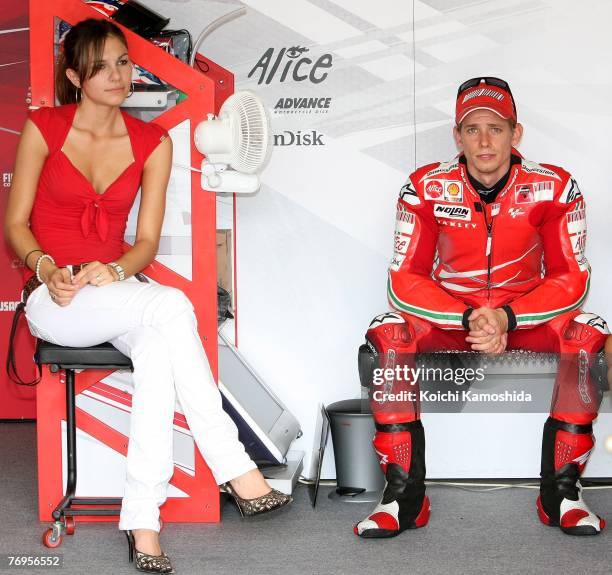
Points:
(489, 254)
(523, 252)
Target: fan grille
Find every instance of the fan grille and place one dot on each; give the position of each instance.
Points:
(250, 125)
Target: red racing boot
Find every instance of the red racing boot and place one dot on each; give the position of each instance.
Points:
(566, 448)
(404, 505)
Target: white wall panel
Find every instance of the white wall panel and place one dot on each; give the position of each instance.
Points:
(314, 243)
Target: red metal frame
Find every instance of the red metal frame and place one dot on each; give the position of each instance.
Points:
(205, 94)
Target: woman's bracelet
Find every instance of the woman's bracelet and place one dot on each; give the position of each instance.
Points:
(25, 260)
(118, 269)
(38, 262)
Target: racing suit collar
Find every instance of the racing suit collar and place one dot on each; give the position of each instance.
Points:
(489, 194)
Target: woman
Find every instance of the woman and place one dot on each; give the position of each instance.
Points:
(77, 171)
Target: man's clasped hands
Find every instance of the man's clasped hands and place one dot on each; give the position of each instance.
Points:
(488, 330)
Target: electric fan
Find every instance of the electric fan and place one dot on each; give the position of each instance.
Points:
(236, 145)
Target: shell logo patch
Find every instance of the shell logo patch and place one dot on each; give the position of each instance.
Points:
(453, 192)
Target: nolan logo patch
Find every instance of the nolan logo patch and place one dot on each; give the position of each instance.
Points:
(452, 212)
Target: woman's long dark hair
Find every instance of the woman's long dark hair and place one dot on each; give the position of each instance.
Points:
(83, 46)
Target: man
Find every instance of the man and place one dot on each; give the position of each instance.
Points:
(505, 238)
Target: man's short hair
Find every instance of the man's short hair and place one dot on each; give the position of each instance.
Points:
(510, 121)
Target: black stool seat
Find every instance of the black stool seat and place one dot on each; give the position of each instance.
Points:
(69, 359)
(103, 356)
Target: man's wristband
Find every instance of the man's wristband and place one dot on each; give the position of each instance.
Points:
(511, 317)
(464, 321)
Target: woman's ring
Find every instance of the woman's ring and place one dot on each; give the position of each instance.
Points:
(52, 296)
(98, 277)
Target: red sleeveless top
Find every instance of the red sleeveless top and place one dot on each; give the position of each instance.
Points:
(70, 221)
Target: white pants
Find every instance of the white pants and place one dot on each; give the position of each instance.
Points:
(155, 326)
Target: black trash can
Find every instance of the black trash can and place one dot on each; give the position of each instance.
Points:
(358, 473)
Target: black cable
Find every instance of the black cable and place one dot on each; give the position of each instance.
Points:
(168, 33)
(11, 365)
(606, 482)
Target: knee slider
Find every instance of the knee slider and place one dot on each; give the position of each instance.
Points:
(389, 330)
(384, 332)
(586, 326)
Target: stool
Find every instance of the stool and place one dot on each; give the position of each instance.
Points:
(57, 357)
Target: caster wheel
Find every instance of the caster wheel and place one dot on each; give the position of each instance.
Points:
(69, 525)
(50, 540)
